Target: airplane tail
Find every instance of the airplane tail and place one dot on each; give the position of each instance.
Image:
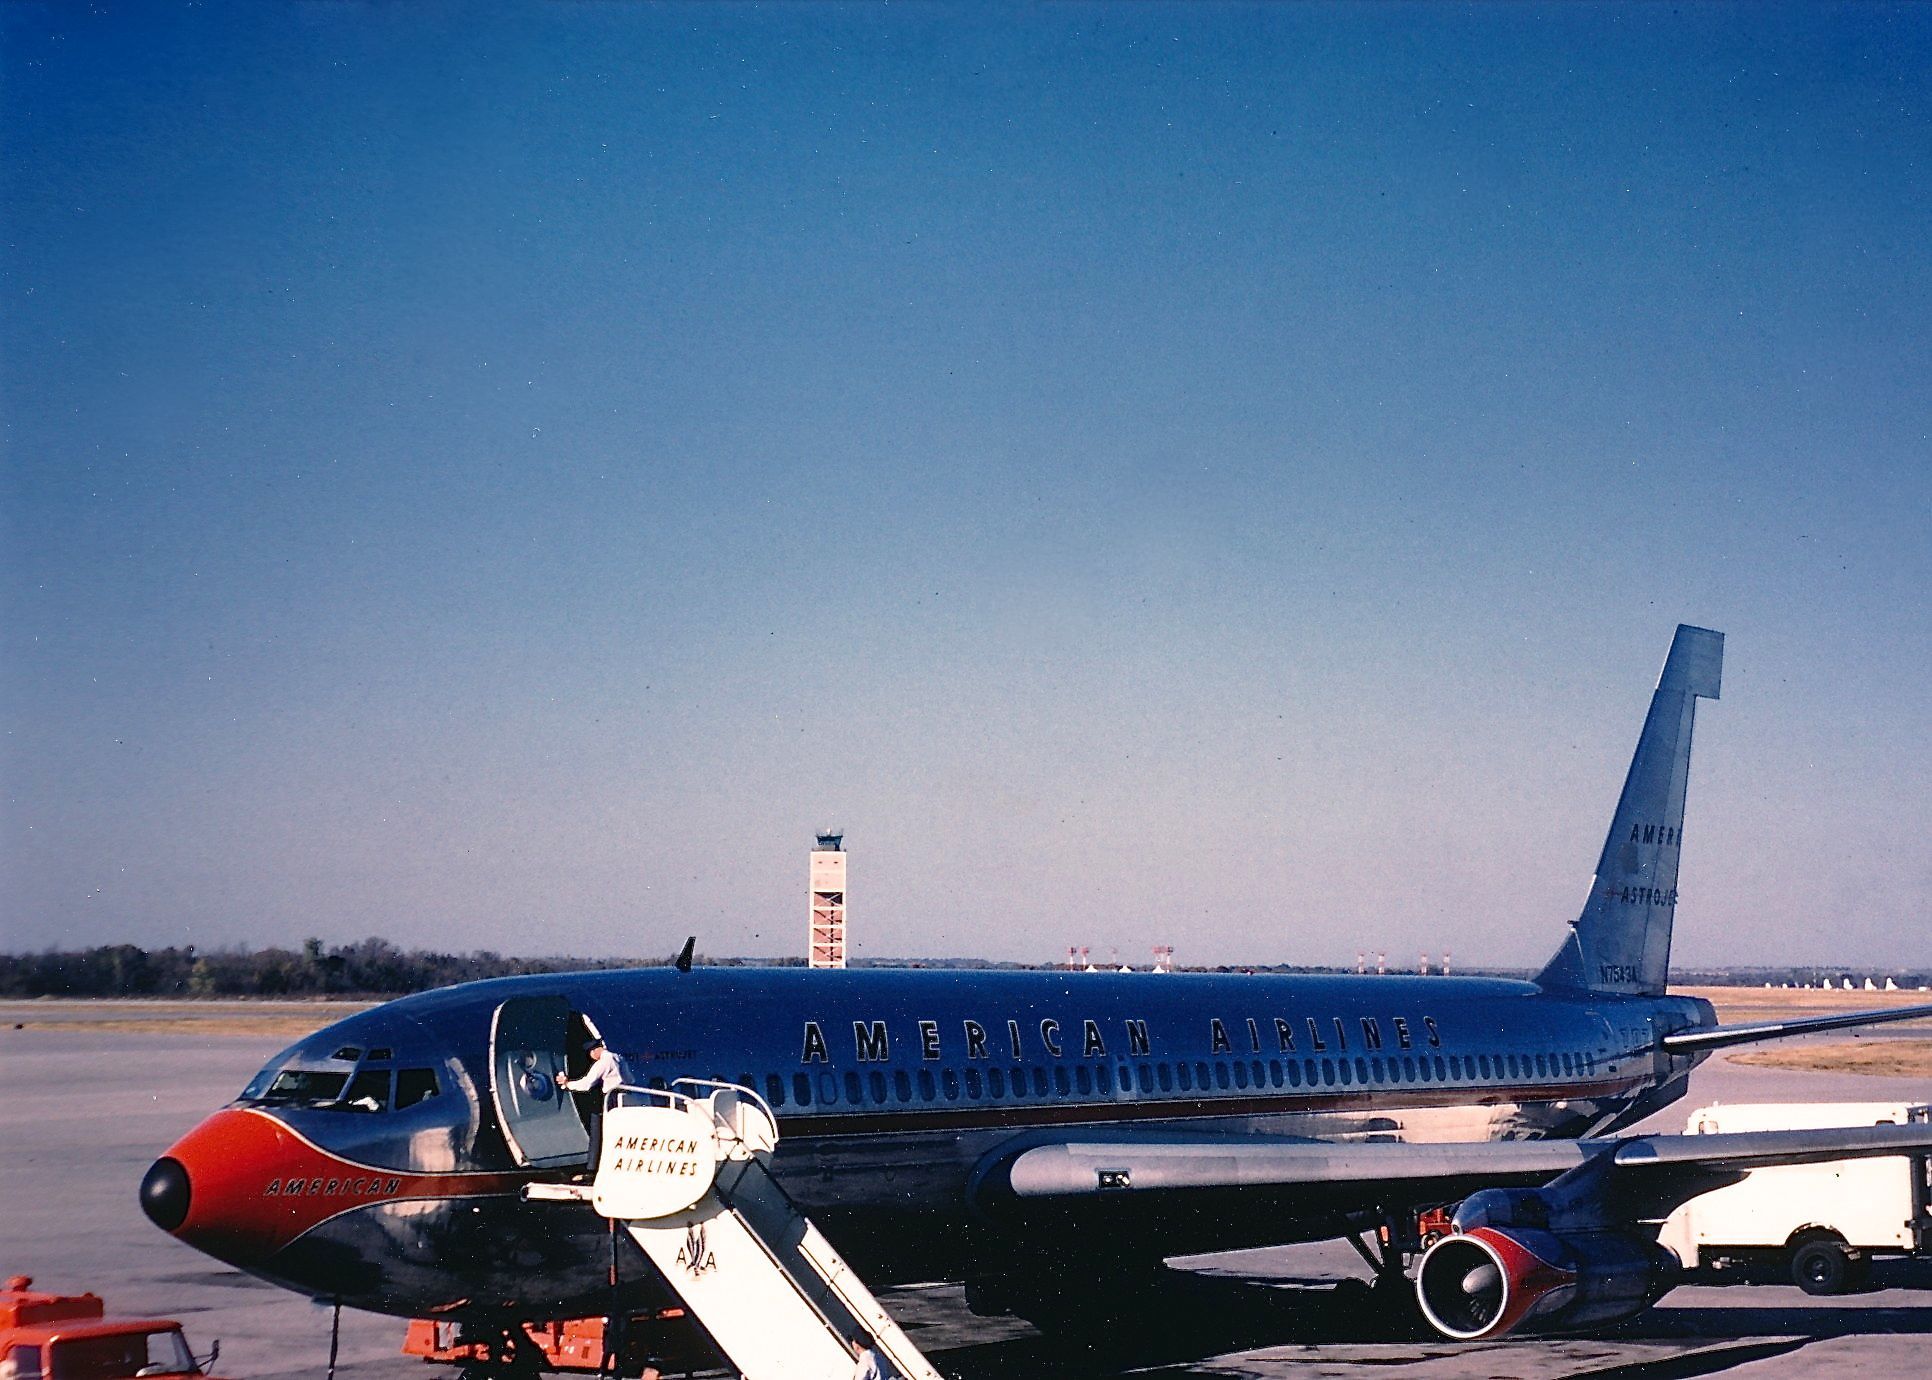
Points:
(1621, 941)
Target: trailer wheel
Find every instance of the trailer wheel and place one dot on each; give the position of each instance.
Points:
(1821, 1266)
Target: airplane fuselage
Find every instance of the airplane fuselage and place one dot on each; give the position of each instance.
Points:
(895, 1091)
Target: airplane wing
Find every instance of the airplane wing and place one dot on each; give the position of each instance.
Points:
(1346, 1176)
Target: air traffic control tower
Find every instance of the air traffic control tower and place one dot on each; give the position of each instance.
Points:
(826, 948)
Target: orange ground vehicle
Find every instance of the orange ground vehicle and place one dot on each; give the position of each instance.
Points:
(69, 1337)
(1433, 1225)
(666, 1338)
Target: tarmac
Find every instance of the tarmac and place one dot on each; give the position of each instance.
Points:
(88, 1107)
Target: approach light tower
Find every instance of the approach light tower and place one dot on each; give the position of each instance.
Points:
(826, 940)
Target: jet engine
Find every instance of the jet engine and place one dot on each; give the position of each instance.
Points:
(1490, 1281)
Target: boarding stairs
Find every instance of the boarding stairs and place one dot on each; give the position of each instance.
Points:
(687, 1172)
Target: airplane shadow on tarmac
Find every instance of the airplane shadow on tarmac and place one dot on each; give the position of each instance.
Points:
(1191, 1318)
(1772, 1320)
(1194, 1318)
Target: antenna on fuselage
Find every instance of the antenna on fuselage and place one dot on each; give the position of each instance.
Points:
(683, 961)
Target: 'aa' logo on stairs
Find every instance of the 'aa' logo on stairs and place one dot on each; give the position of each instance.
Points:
(694, 1255)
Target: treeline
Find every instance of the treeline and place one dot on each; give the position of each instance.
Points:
(372, 967)
(376, 968)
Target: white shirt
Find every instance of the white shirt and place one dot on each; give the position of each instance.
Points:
(872, 1366)
(603, 1074)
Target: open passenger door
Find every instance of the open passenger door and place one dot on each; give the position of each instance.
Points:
(529, 1047)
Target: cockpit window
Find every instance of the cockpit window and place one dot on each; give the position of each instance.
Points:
(323, 1074)
(368, 1091)
(307, 1086)
(415, 1085)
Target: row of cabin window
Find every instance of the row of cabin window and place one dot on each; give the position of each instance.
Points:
(880, 1086)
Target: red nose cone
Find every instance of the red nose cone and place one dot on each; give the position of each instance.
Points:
(230, 1162)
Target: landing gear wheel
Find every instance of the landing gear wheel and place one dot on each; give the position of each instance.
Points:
(1822, 1267)
(1397, 1314)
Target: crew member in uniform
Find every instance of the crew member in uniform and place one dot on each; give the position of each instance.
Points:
(604, 1075)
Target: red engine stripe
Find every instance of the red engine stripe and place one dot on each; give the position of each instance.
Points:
(1530, 1278)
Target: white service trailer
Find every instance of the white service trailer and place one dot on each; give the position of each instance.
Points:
(1819, 1224)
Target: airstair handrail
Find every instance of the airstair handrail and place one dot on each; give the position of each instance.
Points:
(743, 1093)
(682, 1101)
(629, 1094)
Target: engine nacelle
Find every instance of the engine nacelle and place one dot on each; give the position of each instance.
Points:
(1491, 1281)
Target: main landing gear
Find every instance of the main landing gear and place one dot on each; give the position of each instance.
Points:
(1390, 1296)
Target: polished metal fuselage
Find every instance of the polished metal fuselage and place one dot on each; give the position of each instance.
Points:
(883, 1147)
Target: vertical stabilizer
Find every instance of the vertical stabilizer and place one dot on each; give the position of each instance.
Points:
(1621, 942)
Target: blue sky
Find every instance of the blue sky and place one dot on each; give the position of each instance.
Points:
(1225, 476)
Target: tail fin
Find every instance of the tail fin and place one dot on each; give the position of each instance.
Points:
(1621, 942)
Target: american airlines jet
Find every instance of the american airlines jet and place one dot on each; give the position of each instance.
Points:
(1047, 1137)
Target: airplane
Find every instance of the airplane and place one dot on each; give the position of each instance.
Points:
(1046, 1137)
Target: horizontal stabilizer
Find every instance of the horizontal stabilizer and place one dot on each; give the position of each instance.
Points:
(1763, 1149)
(1724, 1036)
